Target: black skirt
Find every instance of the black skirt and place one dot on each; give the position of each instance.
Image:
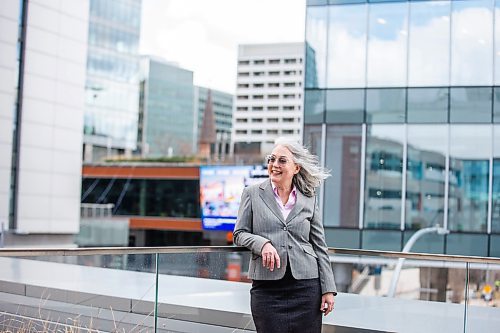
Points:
(287, 305)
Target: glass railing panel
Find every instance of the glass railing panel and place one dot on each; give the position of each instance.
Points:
(483, 298)
(205, 291)
(77, 293)
(421, 296)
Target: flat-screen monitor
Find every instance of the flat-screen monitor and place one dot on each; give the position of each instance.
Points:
(220, 193)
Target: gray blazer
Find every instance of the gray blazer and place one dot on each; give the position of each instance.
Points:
(300, 240)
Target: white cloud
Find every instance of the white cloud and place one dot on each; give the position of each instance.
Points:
(203, 36)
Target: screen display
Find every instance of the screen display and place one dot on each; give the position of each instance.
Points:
(220, 193)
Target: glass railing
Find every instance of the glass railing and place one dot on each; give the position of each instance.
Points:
(206, 289)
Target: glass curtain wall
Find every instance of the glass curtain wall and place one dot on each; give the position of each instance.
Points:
(414, 83)
(112, 88)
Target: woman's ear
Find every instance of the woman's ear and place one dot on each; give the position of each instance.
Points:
(297, 169)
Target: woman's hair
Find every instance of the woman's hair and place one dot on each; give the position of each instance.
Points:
(311, 174)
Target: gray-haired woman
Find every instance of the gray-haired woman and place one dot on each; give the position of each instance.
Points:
(280, 223)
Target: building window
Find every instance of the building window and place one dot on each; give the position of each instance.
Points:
(384, 176)
(427, 105)
(258, 96)
(242, 108)
(289, 84)
(242, 85)
(258, 85)
(274, 61)
(257, 120)
(288, 107)
(256, 131)
(287, 132)
(273, 108)
(258, 73)
(272, 132)
(273, 96)
(242, 96)
(241, 131)
(241, 120)
(257, 108)
(243, 74)
(273, 85)
(290, 72)
(274, 73)
(468, 187)
(243, 62)
(289, 96)
(288, 120)
(272, 120)
(259, 62)
(290, 61)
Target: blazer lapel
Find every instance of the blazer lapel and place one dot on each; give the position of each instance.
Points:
(299, 205)
(267, 195)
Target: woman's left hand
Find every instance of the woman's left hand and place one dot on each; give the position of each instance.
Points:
(327, 302)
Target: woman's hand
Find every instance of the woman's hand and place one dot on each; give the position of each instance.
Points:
(270, 257)
(327, 302)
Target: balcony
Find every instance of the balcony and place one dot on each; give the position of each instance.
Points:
(205, 289)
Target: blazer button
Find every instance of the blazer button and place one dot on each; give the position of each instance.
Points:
(289, 246)
(284, 228)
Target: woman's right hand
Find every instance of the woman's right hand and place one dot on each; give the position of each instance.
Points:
(270, 257)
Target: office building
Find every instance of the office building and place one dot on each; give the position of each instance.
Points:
(268, 97)
(166, 125)
(112, 87)
(43, 47)
(222, 107)
(401, 104)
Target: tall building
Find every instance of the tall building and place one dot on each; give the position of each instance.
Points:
(222, 105)
(268, 97)
(43, 47)
(166, 125)
(401, 104)
(112, 87)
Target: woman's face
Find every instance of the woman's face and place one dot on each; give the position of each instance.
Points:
(281, 167)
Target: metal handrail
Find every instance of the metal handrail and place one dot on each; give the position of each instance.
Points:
(35, 252)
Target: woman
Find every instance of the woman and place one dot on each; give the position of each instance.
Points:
(279, 221)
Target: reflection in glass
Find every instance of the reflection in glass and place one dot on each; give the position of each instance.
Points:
(387, 44)
(470, 105)
(345, 106)
(341, 203)
(470, 149)
(429, 44)
(472, 42)
(314, 106)
(144, 197)
(316, 47)
(312, 139)
(497, 44)
(427, 105)
(383, 181)
(385, 105)
(347, 46)
(426, 175)
(112, 90)
(495, 203)
(496, 105)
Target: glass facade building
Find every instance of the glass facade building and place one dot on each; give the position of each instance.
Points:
(167, 120)
(112, 87)
(402, 104)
